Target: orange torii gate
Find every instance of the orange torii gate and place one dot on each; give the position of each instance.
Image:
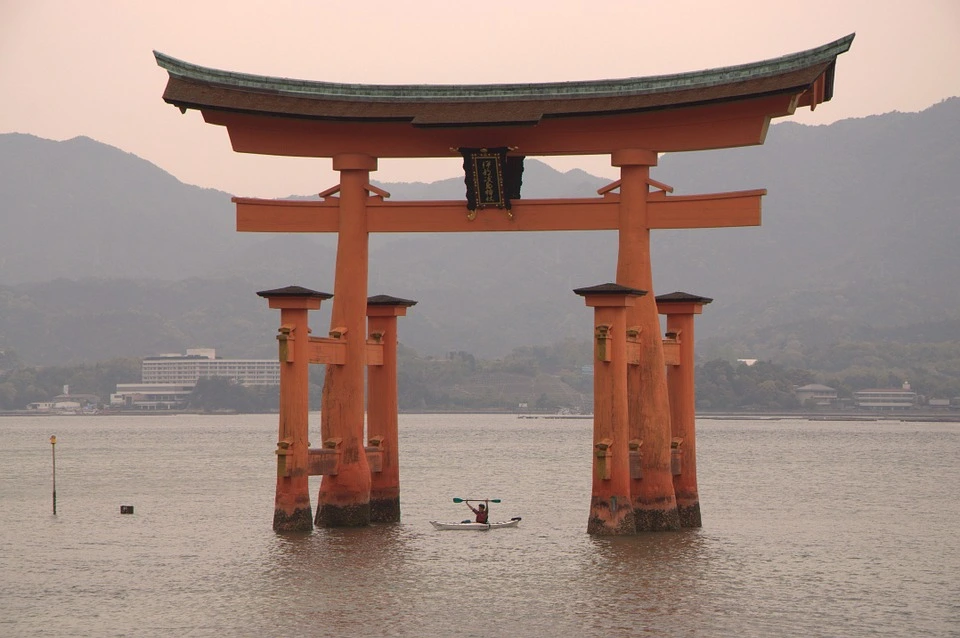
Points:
(631, 120)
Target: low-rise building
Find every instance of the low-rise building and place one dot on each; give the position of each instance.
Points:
(817, 395)
(886, 398)
(67, 403)
(151, 396)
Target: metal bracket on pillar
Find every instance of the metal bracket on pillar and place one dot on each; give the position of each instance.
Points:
(602, 450)
(676, 456)
(374, 451)
(636, 458)
(671, 348)
(284, 340)
(283, 451)
(633, 345)
(375, 349)
(603, 336)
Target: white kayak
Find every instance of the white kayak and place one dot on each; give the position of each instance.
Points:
(513, 522)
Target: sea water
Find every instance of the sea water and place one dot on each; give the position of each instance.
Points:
(809, 529)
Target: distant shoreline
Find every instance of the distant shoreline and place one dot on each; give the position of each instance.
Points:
(926, 416)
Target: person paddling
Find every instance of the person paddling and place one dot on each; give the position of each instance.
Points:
(480, 511)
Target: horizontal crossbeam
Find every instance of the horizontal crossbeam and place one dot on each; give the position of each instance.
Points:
(718, 210)
(327, 350)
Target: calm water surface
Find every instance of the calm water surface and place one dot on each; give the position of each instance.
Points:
(810, 529)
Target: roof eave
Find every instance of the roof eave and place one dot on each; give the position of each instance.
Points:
(822, 59)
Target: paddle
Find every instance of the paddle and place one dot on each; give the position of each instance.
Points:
(485, 509)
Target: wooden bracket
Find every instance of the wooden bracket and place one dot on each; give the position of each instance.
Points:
(378, 193)
(325, 461)
(612, 186)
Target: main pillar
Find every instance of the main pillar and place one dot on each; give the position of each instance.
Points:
(680, 307)
(344, 499)
(382, 409)
(654, 502)
(291, 510)
(611, 511)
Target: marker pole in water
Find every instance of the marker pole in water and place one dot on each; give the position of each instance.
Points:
(53, 451)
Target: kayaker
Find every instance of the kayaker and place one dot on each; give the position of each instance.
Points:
(480, 511)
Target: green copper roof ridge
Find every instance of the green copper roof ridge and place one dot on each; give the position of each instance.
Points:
(412, 93)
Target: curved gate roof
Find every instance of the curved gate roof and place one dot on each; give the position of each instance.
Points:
(805, 77)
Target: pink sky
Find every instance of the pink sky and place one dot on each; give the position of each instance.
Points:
(86, 68)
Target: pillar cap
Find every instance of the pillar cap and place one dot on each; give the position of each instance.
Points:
(681, 303)
(387, 300)
(294, 291)
(294, 298)
(682, 297)
(609, 289)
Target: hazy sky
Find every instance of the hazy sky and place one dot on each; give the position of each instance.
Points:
(71, 68)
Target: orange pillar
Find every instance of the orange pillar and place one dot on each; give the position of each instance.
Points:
(679, 307)
(382, 408)
(654, 502)
(291, 510)
(611, 511)
(344, 499)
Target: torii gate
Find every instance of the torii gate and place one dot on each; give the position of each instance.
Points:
(631, 120)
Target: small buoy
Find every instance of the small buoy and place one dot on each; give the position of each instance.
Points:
(126, 509)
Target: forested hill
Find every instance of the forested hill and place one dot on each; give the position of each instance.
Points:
(103, 254)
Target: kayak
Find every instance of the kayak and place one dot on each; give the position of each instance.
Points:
(513, 522)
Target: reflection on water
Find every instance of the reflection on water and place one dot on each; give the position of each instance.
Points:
(809, 529)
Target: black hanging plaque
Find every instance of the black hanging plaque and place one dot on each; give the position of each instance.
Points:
(483, 174)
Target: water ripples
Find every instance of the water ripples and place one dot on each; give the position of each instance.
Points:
(811, 528)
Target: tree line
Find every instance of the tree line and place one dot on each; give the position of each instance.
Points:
(535, 379)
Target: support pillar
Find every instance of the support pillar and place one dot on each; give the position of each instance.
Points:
(654, 502)
(291, 510)
(344, 499)
(680, 307)
(382, 408)
(611, 510)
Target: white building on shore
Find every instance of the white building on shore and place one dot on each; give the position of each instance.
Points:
(167, 380)
(202, 363)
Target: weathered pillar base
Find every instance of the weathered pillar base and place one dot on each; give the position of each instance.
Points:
(653, 518)
(613, 517)
(300, 520)
(689, 515)
(343, 515)
(385, 510)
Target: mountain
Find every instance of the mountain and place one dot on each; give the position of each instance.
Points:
(859, 227)
(80, 208)
(103, 254)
